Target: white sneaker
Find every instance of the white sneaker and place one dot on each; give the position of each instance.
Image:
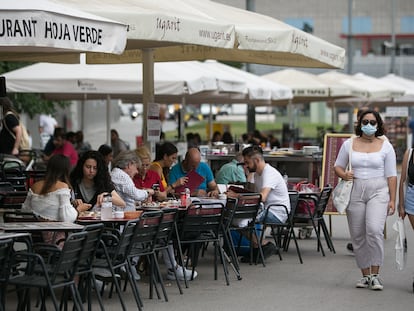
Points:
(134, 272)
(364, 282)
(99, 285)
(376, 283)
(180, 275)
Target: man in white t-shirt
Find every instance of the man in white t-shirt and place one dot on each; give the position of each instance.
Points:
(47, 125)
(270, 184)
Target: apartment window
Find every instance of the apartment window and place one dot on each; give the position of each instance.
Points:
(407, 24)
(360, 25)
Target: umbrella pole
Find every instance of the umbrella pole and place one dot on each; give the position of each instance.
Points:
(108, 119)
(182, 121)
(147, 88)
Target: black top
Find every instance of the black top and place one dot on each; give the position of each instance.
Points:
(6, 138)
(411, 170)
(78, 193)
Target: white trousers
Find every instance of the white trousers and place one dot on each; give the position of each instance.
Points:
(366, 213)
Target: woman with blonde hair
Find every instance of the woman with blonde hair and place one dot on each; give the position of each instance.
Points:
(147, 178)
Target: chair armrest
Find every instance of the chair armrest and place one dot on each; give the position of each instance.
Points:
(32, 260)
(275, 205)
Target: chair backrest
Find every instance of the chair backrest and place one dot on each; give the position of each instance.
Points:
(203, 218)
(323, 200)
(12, 171)
(166, 228)
(146, 233)
(12, 199)
(121, 251)
(247, 207)
(94, 232)
(6, 246)
(70, 256)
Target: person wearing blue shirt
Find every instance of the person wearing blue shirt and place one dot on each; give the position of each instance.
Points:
(232, 172)
(192, 161)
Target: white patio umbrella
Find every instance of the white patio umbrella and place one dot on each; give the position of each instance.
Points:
(258, 38)
(174, 82)
(399, 82)
(30, 28)
(306, 87)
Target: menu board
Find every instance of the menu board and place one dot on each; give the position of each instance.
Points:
(332, 144)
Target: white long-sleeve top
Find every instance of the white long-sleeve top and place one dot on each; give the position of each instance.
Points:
(369, 165)
(54, 206)
(126, 189)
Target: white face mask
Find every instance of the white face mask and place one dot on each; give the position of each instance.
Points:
(369, 129)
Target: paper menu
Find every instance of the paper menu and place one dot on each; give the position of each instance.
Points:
(194, 180)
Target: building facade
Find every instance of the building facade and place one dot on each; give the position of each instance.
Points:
(371, 35)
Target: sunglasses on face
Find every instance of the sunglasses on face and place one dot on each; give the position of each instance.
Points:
(372, 122)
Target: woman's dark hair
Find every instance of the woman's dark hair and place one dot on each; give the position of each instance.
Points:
(102, 180)
(105, 149)
(166, 148)
(7, 105)
(58, 169)
(227, 138)
(380, 125)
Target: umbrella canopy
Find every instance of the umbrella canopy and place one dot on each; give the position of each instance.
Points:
(400, 82)
(30, 27)
(258, 38)
(306, 87)
(259, 90)
(122, 81)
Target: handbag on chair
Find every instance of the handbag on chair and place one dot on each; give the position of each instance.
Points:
(342, 192)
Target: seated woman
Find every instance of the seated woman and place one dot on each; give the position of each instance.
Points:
(126, 165)
(50, 199)
(91, 181)
(165, 158)
(147, 178)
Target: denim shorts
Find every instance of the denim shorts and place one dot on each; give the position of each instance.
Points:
(271, 218)
(409, 200)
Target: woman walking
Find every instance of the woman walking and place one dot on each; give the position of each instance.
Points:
(374, 174)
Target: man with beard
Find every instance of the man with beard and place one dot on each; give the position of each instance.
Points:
(267, 181)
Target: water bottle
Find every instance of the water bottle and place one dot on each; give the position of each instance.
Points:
(106, 207)
(187, 197)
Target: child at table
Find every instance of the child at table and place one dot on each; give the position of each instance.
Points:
(50, 199)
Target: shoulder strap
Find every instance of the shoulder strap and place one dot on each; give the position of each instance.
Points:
(410, 154)
(350, 154)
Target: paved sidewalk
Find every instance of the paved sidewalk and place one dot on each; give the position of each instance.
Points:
(321, 283)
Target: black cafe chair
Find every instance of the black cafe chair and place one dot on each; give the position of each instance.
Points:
(315, 205)
(87, 279)
(49, 276)
(6, 249)
(203, 223)
(282, 232)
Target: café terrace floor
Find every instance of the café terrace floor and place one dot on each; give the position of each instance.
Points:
(321, 283)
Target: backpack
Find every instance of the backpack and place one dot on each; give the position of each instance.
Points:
(24, 141)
